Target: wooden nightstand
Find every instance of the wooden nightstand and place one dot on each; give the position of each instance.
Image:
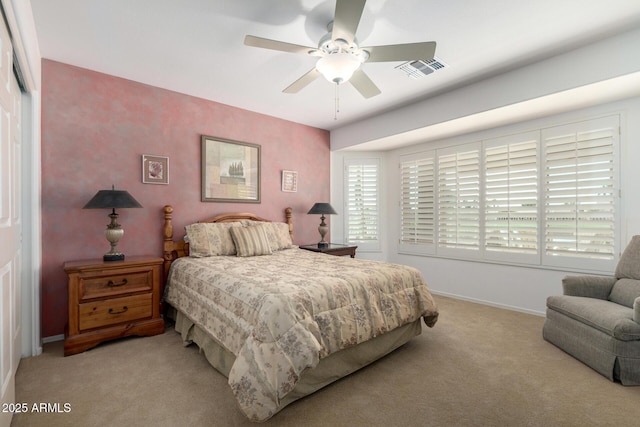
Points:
(109, 300)
(333, 249)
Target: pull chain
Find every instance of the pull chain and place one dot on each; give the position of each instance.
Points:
(337, 102)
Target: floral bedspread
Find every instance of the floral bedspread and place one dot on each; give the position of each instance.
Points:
(281, 313)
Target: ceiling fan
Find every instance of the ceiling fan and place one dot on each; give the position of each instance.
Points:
(340, 57)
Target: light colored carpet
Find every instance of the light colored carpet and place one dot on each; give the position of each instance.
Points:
(479, 366)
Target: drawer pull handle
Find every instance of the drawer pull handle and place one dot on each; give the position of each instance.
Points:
(112, 283)
(124, 308)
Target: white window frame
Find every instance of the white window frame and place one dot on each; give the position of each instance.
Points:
(417, 174)
(512, 190)
(459, 200)
(592, 160)
(539, 255)
(351, 207)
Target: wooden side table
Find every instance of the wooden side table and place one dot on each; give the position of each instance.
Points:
(333, 249)
(109, 300)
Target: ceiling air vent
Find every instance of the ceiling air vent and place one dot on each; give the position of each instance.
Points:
(418, 69)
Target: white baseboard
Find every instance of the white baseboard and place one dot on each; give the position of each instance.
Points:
(53, 338)
(490, 303)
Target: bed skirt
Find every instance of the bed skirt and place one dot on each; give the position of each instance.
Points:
(328, 370)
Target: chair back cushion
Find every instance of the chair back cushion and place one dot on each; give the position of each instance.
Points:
(625, 291)
(629, 264)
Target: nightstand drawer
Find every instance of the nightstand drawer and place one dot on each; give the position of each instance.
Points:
(110, 300)
(108, 284)
(115, 310)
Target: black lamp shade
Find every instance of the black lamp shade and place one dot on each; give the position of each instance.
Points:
(322, 209)
(111, 199)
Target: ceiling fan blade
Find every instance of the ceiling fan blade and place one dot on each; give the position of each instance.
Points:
(402, 52)
(346, 19)
(276, 45)
(364, 84)
(303, 81)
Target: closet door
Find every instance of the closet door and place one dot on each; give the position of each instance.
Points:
(10, 226)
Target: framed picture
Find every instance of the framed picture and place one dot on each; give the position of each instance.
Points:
(155, 169)
(230, 171)
(289, 181)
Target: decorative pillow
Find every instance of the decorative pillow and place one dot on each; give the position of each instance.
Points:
(625, 291)
(278, 235)
(211, 239)
(251, 240)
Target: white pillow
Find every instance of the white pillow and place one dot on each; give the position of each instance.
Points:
(278, 235)
(211, 239)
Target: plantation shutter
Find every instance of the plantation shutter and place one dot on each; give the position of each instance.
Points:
(362, 202)
(459, 199)
(580, 193)
(511, 197)
(417, 203)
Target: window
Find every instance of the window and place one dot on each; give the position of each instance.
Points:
(362, 203)
(580, 193)
(511, 197)
(545, 197)
(417, 205)
(459, 199)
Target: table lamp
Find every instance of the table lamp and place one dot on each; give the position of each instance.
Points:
(322, 209)
(112, 199)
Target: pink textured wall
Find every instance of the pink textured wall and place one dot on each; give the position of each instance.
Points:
(95, 127)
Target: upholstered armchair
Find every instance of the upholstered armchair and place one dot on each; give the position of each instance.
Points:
(597, 319)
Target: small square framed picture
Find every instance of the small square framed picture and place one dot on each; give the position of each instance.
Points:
(155, 169)
(289, 181)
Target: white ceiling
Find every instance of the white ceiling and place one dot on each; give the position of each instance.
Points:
(196, 47)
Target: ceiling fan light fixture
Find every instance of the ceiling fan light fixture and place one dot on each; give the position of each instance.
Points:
(338, 67)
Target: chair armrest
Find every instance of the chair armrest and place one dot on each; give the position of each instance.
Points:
(636, 310)
(588, 286)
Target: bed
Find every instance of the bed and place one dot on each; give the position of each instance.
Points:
(278, 321)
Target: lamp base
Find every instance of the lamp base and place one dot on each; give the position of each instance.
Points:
(323, 245)
(113, 257)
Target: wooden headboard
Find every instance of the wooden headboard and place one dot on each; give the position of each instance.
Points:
(176, 249)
